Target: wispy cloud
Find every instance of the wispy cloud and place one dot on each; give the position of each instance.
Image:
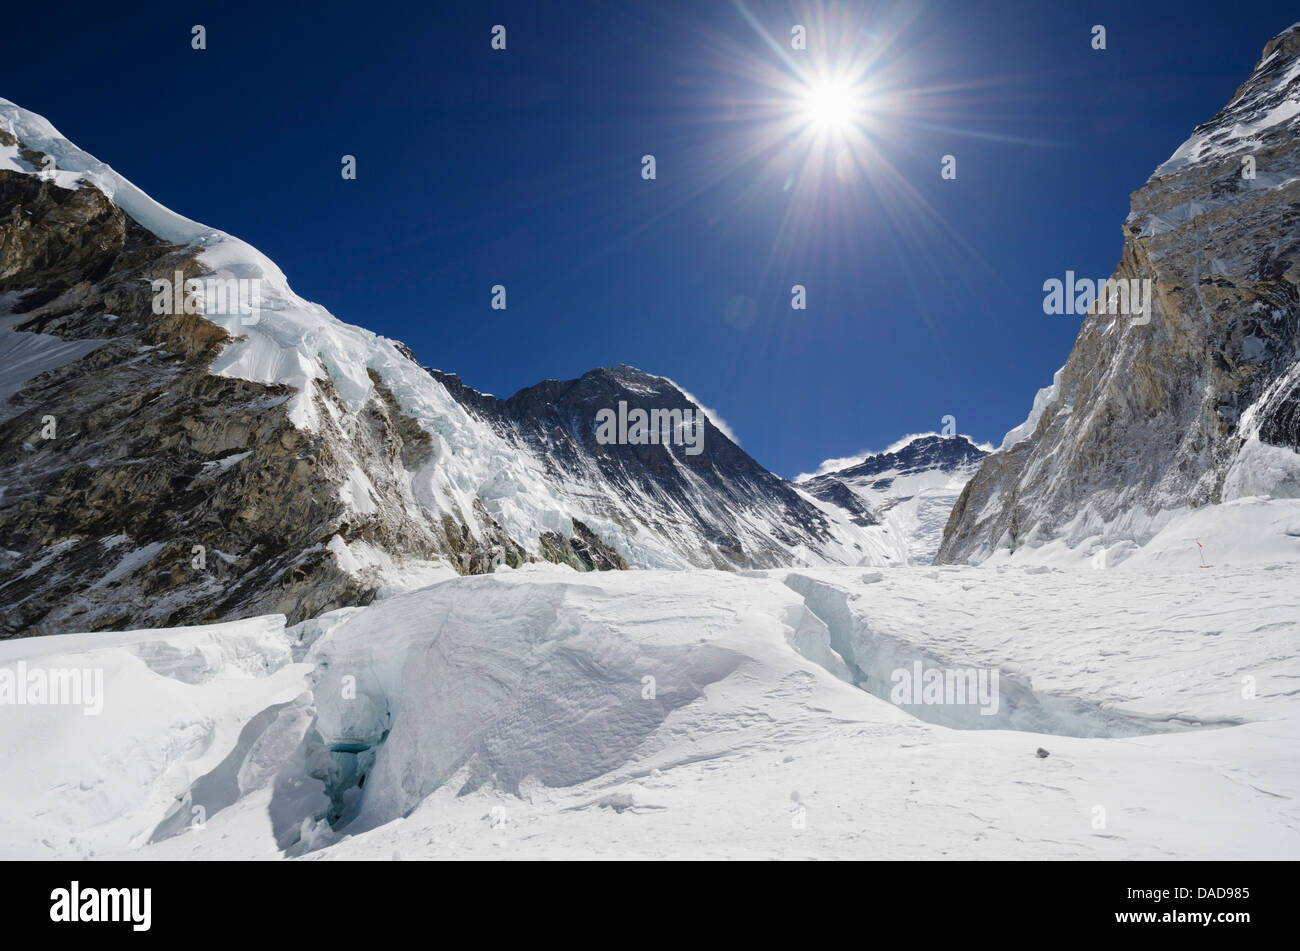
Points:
(714, 418)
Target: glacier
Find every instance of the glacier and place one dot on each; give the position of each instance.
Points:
(546, 713)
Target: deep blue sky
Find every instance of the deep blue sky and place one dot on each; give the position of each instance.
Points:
(522, 167)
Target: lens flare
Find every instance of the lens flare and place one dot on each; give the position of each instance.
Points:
(824, 125)
(832, 105)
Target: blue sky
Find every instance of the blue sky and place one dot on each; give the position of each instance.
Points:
(522, 167)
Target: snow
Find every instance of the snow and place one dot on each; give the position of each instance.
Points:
(914, 507)
(874, 545)
(845, 462)
(357, 493)
(1042, 399)
(1240, 533)
(392, 576)
(175, 702)
(914, 503)
(224, 464)
(1263, 470)
(25, 355)
(129, 562)
(511, 716)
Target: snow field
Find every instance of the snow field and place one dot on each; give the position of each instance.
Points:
(510, 716)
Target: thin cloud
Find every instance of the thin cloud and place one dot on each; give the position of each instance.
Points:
(714, 418)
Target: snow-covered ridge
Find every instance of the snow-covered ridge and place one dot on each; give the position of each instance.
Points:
(332, 366)
(844, 462)
(294, 334)
(301, 344)
(910, 489)
(1245, 119)
(1044, 398)
(293, 338)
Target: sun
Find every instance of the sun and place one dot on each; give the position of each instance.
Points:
(832, 105)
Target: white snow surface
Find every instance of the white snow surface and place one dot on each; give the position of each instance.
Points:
(509, 717)
(914, 509)
(924, 503)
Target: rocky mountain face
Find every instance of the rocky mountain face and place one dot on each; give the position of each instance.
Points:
(711, 508)
(1198, 400)
(138, 487)
(909, 490)
(188, 466)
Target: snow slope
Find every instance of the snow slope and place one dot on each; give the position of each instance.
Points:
(911, 486)
(510, 716)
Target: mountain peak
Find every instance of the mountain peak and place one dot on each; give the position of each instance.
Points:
(709, 502)
(1288, 41)
(909, 488)
(913, 452)
(1195, 399)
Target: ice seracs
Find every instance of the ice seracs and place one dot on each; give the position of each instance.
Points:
(510, 716)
